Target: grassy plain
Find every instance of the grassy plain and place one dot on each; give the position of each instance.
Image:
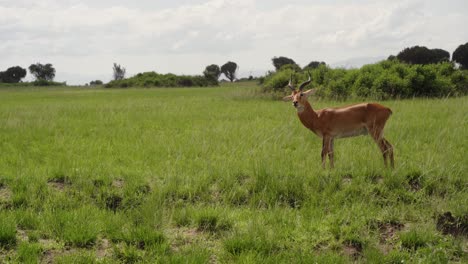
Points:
(222, 175)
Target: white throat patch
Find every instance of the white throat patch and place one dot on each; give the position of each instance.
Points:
(300, 108)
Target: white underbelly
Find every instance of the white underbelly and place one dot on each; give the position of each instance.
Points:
(353, 133)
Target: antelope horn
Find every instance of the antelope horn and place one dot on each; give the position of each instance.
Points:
(304, 84)
(290, 85)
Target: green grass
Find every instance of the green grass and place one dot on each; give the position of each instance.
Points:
(221, 175)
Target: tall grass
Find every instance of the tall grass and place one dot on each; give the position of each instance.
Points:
(214, 175)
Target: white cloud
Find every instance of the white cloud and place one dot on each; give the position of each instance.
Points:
(185, 37)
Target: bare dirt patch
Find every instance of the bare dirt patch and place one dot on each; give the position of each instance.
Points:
(388, 231)
(182, 237)
(353, 249)
(21, 235)
(118, 183)
(5, 197)
(5, 193)
(215, 193)
(346, 179)
(57, 186)
(49, 256)
(453, 225)
(103, 248)
(375, 178)
(243, 179)
(114, 202)
(59, 183)
(415, 181)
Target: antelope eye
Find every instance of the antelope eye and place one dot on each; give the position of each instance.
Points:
(302, 94)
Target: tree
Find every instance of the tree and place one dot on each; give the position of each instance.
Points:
(42, 72)
(279, 62)
(96, 82)
(423, 55)
(119, 72)
(212, 72)
(440, 55)
(460, 55)
(293, 67)
(12, 74)
(314, 64)
(229, 70)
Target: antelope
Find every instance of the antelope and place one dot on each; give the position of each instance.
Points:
(341, 122)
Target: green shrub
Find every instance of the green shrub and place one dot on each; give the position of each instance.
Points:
(460, 81)
(278, 81)
(384, 80)
(153, 79)
(41, 82)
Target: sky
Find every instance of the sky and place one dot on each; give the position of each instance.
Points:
(82, 39)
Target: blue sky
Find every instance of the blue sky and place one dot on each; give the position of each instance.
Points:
(82, 39)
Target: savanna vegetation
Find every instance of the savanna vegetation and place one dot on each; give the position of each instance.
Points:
(226, 175)
(388, 79)
(153, 79)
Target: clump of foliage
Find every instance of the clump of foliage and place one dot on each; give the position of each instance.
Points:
(281, 61)
(460, 55)
(12, 74)
(153, 79)
(118, 72)
(423, 55)
(229, 70)
(33, 83)
(384, 80)
(47, 83)
(212, 72)
(42, 71)
(96, 82)
(314, 64)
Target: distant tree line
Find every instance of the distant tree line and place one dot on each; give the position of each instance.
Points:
(407, 61)
(154, 79)
(229, 69)
(44, 75)
(210, 77)
(282, 62)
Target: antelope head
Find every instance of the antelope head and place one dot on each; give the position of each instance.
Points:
(299, 97)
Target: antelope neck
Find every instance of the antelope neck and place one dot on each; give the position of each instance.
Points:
(309, 117)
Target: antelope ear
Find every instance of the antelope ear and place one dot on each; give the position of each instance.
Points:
(287, 98)
(309, 92)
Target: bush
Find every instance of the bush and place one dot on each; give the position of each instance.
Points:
(278, 81)
(42, 82)
(153, 79)
(383, 80)
(96, 82)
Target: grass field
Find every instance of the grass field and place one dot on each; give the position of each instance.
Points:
(222, 175)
